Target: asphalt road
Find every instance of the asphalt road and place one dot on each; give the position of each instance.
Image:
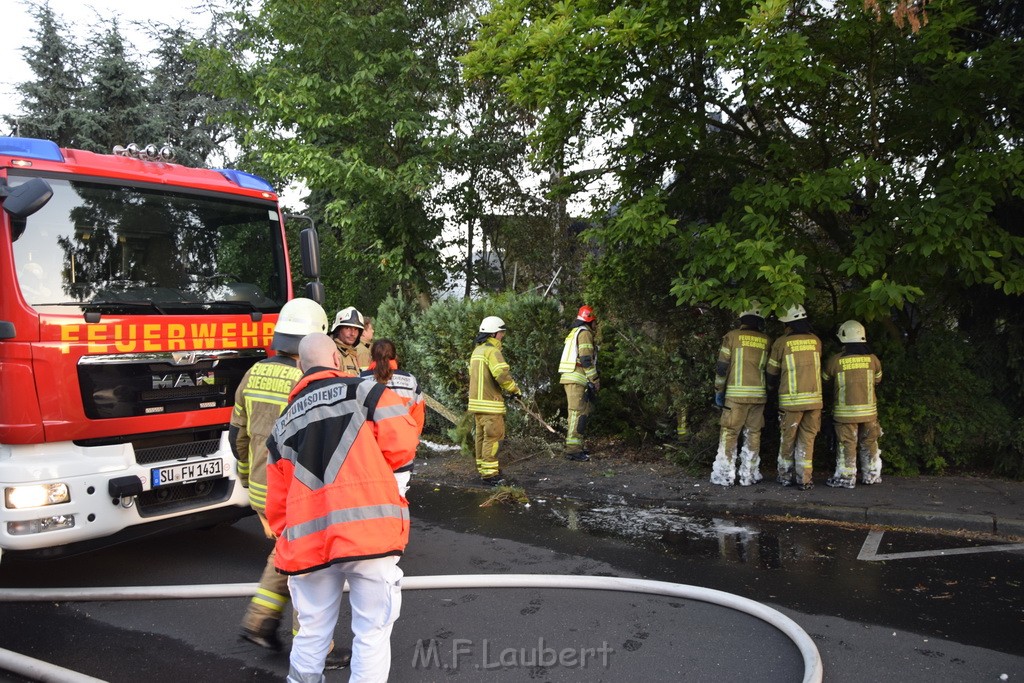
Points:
(928, 616)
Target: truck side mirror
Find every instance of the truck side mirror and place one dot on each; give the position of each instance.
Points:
(23, 201)
(316, 292)
(309, 247)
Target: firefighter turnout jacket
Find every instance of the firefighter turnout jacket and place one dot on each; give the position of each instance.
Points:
(742, 359)
(856, 376)
(349, 358)
(796, 359)
(488, 375)
(578, 364)
(260, 399)
(363, 355)
(332, 494)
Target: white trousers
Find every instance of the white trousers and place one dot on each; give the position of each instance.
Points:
(375, 597)
(402, 479)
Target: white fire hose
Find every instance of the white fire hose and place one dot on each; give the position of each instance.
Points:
(43, 671)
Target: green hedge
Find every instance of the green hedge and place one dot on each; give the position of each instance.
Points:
(939, 404)
(435, 344)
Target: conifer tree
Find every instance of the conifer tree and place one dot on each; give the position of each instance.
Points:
(114, 103)
(48, 102)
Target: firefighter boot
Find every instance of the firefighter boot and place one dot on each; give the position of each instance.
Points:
(265, 636)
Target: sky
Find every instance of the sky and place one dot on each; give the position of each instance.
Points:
(83, 18)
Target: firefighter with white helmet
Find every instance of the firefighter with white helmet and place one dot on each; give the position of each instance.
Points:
(855, 372)
(579, 377)
(741, 394)
(488, 375)
(261, 397)
(794, 366)
(347, 329)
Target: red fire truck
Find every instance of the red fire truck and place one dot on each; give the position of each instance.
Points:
(134, 293)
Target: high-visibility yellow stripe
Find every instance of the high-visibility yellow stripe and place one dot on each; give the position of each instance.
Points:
(799, 399)
(484, 406)
(855, 411)
(734, 391)
(270, 600)
(790, 375)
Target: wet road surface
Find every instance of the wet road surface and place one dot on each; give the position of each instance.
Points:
(969, 598)
(957, 617)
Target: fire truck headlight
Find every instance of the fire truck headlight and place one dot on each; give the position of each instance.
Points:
(167, 153)
(36, 495)
(133, 150)
(152, 152)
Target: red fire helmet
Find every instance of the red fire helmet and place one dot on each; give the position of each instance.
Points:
(586, 314)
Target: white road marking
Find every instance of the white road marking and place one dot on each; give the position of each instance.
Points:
(869, 551)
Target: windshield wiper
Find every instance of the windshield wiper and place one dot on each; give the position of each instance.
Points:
(93, 316)
(113, 304)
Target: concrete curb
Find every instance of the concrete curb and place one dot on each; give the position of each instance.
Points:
(930, 520)
(1010, 527)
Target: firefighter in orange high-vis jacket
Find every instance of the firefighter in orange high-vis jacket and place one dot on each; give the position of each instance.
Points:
(794, 366)
(383, 368)
(261, 397)
(740, 393)
(334, 505)
(488, 376)
(855, 373)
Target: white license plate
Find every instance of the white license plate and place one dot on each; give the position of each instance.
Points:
(190, 471)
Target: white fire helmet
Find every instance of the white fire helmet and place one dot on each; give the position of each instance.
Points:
(755, 309)
(298, 318)
(492, 324)
(851, 332)
(794, 313)
(348, 317)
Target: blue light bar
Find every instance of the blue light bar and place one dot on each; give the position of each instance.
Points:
(246, 180)
(31, 148)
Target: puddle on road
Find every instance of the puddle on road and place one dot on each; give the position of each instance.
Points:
(651, 524)
(974, 599)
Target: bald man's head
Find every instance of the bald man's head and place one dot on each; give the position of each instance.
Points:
(318, 350)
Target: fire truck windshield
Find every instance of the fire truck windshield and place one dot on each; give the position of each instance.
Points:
(99, 245)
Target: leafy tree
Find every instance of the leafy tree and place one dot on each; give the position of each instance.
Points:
(49, 101)
(865, 160)
(350, 272)
(486, 175)
(345, 99)
(783, 150)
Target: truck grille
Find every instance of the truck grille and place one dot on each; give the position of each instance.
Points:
(206, 393)
(179, 451)
(133, 384)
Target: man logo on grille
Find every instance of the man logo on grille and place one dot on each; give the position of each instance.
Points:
(184, 379)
